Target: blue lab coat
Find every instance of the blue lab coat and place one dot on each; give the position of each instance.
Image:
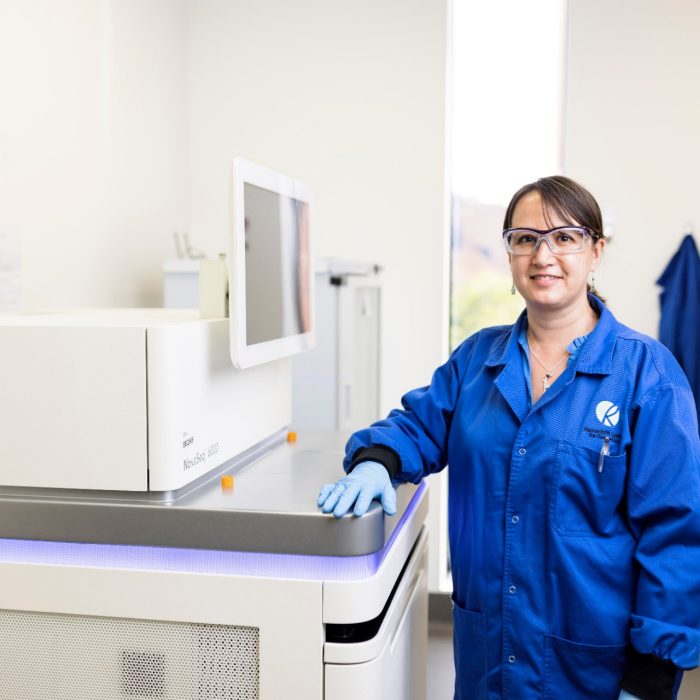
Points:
(558, 561)
(679, 328)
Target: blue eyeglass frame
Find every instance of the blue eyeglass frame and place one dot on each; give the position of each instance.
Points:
(546, 236)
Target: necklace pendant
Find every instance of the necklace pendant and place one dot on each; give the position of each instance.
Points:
(545, 382)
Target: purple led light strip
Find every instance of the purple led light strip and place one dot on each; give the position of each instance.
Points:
(291, 566)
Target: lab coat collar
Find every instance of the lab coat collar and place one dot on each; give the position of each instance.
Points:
(596, 354)
(507, 350)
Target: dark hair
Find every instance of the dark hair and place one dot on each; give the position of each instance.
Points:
(568, 200)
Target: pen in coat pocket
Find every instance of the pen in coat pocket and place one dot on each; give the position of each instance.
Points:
(604, 452)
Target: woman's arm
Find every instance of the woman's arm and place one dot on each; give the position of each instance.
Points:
(411, 442)
(663, 501)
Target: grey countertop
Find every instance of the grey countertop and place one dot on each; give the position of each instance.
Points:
(271, 508)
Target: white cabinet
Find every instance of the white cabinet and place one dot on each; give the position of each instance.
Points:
(110, 622)
(392, 664)
(181, 283)
(336, 385)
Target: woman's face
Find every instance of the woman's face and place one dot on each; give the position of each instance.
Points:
(545, 279)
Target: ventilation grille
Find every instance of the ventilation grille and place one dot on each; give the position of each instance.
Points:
(46, 656)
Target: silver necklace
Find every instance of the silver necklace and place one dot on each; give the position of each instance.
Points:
(547, 372)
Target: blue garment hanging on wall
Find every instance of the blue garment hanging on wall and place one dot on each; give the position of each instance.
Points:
(679, 328)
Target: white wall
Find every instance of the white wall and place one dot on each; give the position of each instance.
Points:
(92, 146)
(120, 119)
(632, 137)
(348, 97)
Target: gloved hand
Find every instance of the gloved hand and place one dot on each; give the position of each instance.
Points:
(366, 481)
(624, 695)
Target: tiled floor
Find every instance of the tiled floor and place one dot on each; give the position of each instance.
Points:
(441, 670)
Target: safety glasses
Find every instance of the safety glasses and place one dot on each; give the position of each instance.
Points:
(561, 240)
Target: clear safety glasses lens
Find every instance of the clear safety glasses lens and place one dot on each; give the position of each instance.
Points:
(525, 241)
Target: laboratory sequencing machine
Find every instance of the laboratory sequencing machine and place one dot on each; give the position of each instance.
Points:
(158, 530)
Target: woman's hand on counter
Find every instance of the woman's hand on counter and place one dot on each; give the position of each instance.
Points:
(367, 481)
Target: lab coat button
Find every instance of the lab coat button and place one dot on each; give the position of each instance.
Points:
(511, 659)
(512, 589)
(515, 519)
(522, 451)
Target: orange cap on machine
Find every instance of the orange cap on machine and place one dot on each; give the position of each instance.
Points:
(227, 482)
(291, 436)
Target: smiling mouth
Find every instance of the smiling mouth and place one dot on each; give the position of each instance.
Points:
(545, 277)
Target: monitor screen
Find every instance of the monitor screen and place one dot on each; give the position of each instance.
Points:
(270, 270)
(276, 265)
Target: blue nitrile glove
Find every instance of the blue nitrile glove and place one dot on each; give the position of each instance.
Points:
(624, 695)
(366, 481)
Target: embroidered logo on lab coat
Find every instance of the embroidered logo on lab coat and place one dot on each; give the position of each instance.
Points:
(608, 413)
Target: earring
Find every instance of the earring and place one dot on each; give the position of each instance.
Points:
(593, 290)
(512, 289)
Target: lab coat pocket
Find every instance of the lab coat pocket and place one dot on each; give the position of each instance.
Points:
(582, 671)
(587, 493)
(470, 654)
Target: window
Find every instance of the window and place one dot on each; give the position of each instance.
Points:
(507, 130)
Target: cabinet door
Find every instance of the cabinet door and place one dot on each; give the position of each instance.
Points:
(359, 349)
(397, 656)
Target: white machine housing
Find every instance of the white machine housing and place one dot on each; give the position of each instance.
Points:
(80, 623)
(128, 399)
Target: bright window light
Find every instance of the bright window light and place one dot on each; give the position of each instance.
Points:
(507, 123)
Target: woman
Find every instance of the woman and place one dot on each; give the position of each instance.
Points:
(574, 460)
